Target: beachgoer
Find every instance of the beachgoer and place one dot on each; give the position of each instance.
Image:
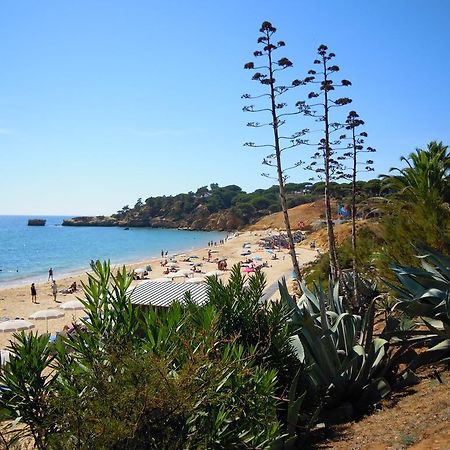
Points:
(33, 293)
(50, 274)
(54, 290)
(166, 253)
(162, 253)
(73, 287)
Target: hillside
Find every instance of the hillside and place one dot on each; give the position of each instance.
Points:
(228, 207)
(308, 214)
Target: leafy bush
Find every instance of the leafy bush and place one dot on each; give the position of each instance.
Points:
(254, 324)
(133, 379)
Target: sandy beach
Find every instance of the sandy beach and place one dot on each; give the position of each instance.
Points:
(15, 302)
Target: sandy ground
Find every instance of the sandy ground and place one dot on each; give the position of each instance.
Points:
(15, 302)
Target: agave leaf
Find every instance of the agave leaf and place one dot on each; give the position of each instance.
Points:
(296, 344)
(285, 296)
(313, 302)
(416, 308)
(437, 327)
(436, 353)
(430, 268)
(372, 393)
(380, 352)
(410, 283)
(294, 405)
(441, 261)
(433, 293)
(336, 299)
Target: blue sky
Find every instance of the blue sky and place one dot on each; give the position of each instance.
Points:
(103, 102)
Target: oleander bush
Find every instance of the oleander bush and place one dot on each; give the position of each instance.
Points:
(133, 379)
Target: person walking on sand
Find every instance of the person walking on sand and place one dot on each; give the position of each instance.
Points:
(50, 274)
(33, 293)
(54, 290)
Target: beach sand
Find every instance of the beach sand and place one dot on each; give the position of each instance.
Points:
(16, 301)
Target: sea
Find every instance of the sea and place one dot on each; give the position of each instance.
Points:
(27, 252)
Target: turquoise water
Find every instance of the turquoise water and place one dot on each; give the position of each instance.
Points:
(26, 253)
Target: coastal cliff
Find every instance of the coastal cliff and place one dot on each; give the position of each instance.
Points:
(220, 221)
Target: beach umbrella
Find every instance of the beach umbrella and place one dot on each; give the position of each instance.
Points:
(15, 325)
(248, 269)
(257, 257)
(171, 264)
(196, 280)
(139, 270)
(214, 273)
(162, 280)
(47, 314)
(73, 305)
(184, 272)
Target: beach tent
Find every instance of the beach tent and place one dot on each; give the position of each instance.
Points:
(164, 294)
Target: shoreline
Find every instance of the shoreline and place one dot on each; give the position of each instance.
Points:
(15, 301)
(79, 271)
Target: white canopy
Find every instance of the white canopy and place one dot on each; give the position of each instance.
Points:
(46, 314)
(196, 280)
(72, 305)
(15, 325)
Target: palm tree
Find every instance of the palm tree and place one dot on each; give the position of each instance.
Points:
(420, 212)
(426, 179)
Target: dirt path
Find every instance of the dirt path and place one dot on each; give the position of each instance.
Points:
(417, 419)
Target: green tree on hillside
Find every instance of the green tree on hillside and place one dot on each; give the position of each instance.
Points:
(426, 177)
(417, 207)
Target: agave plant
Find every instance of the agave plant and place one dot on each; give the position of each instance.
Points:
(346, 365)
(425, 293)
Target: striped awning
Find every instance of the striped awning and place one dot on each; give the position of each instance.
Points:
(164, 294)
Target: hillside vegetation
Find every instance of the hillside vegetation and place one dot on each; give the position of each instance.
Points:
(221, 208)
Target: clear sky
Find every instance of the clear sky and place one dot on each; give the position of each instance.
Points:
(106, 101)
